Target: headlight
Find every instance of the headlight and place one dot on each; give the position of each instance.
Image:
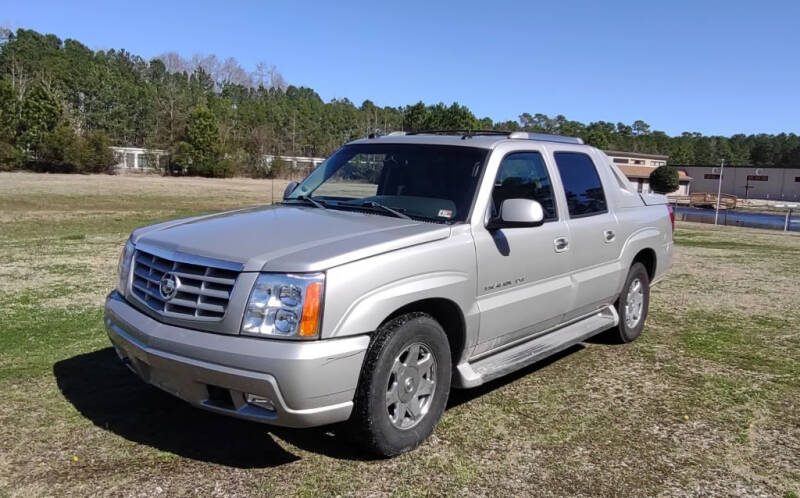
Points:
(124, 267)
(285, 306)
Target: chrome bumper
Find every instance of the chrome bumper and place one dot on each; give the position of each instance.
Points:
(309, 383)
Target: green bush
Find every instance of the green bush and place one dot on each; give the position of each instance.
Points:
(664, 180)
(224, 168)
(64, 151)
(10, 157)
(279, 168)
(97, 156)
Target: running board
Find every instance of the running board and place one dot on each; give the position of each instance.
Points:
(475, 373)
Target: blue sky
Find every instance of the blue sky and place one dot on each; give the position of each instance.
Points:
(718, 67)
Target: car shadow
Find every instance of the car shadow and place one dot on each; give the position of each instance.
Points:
(114, 399)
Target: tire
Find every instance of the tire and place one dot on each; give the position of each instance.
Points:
(386, 420)
(630, 300)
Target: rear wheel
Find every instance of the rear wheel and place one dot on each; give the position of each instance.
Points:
(404, 385)
(632, 305)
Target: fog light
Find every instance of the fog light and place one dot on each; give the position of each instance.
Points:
(260, 401)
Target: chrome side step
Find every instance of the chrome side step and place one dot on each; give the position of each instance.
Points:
(475, 373)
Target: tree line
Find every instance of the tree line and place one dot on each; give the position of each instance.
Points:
(62, 105)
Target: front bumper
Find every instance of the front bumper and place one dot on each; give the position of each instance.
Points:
(309, 383)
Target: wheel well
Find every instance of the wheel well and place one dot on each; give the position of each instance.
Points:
(647, 257)
(449, 316)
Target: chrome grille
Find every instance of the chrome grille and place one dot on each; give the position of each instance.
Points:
(202, 293)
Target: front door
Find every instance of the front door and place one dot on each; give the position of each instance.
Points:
(523, 273)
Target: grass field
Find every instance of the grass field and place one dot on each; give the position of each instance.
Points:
(706, 402)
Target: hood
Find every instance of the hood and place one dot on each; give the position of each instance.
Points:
(289, 238)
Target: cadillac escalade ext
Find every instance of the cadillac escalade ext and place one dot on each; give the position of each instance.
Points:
(403, 266)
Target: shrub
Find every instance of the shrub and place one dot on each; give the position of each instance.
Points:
(224, 168)
(96, 155)
(64, 151)
(664, 180)
(10, 157)
(279, 168)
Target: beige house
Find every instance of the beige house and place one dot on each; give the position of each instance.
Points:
(637, 167)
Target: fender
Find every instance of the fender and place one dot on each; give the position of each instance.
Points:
(367, 312)
(644, 238)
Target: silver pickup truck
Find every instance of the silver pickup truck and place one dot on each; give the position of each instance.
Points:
(402, 266)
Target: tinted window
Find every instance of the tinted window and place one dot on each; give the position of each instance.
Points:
(581, 182)
(524, 176)
(433, 182)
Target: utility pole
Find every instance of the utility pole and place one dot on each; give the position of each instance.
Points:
(719, 190)
(788, 219)
(294, 150)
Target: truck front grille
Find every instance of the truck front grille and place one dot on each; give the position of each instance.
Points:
(201, 293)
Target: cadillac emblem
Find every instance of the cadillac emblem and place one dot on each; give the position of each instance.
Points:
(168, 286)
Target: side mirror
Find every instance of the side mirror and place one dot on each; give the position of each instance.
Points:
(289, 189)
(515, 213)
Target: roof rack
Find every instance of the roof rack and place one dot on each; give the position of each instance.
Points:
(463, 133)
(545, 137)
(523, 135)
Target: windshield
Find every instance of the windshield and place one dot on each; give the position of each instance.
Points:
(431, 182)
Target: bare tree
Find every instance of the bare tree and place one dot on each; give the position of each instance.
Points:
(5, 34)
(228, 71)
(232, 72)
(20, 79)
(209, 63)
(276, 79)
(261, 74)
(267, 75)
(173, 62)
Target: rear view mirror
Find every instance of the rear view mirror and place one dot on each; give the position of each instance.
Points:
(289, 189)
(518, 213)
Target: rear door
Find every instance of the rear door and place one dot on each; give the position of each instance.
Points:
(594, 233)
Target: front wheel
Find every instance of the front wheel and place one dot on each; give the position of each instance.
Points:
(632, 305)
(404, 385)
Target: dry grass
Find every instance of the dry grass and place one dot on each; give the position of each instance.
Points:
(705, 403)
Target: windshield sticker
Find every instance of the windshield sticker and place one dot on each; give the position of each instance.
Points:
(445, 213)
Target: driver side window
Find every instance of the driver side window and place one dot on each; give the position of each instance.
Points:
(523, 175)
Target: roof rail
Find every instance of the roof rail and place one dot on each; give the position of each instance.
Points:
(524, 135)
(463, 133)
(545, 137)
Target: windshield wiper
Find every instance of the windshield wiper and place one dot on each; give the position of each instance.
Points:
(308, 198)
(389, 210)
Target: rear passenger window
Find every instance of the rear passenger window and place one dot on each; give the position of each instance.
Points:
(524, 176)
(582, 185)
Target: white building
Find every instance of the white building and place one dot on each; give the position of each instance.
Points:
(294, 161)
(136, 158)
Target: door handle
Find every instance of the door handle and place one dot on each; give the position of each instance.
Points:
(561, 243)
(609, 235)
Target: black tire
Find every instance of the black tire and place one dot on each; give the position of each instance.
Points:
(624, 332)
(370, 423)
